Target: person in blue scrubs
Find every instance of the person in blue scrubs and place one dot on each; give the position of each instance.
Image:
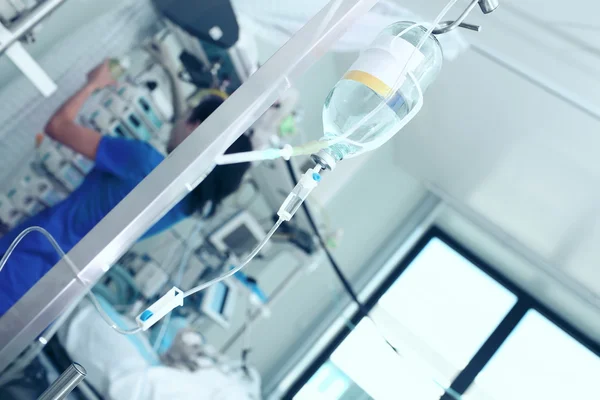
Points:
(120, 164)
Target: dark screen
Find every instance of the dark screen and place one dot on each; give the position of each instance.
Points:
(241, 241)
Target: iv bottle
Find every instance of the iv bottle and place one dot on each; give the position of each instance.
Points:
(118, 66)
(370, 82)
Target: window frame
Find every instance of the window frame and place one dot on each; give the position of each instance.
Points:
(482, 357)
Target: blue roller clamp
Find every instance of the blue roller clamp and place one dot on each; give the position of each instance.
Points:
(146, 315)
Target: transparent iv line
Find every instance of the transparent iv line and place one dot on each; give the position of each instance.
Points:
(62, 254)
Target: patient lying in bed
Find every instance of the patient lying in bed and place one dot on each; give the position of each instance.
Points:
(127, 368)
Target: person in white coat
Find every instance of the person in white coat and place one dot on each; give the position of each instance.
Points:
(123, 367)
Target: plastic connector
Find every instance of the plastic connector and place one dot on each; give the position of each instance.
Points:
(286, 152)
(173, 298)
(307, 183)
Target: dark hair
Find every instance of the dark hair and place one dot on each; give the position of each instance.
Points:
(224, 179)
(203, 110)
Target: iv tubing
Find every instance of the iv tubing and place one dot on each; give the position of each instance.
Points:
(258, 155)
(62, 254)
(232, 272)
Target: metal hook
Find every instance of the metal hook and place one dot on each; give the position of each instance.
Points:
(487, 6)
(447, 26)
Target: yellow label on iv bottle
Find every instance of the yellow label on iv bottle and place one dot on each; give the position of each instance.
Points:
(379, 67)
(372, 101)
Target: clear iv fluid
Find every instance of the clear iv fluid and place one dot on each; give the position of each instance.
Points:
(347, 104)
(373, 79)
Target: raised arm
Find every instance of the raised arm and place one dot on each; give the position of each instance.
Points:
(62, 126)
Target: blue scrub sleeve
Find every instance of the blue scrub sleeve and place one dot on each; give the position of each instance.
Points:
(126, 158)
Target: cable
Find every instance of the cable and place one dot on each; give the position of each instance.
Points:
(348, 287)
(362, 309)
(62, 254)
(246, 346)
(336, 268)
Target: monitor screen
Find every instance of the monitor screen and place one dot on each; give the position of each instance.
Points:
(220, 298)
(240, 241)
